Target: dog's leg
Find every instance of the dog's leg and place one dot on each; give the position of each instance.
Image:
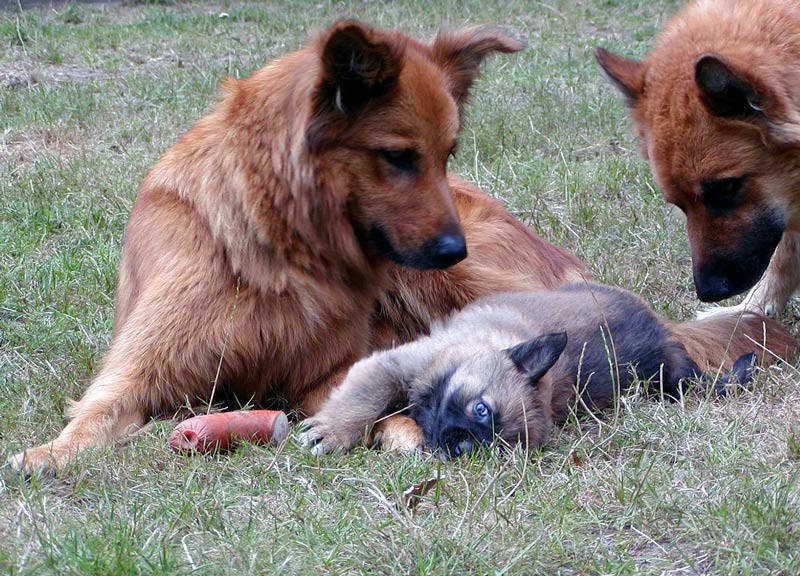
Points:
(394, 432)
(779, 282)
(372, 386)
(781, 279)
(317, 392)
(156, 361)
(107, 411)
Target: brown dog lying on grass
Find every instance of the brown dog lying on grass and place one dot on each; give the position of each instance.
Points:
(716, 105)
(284, 236)
(511, 365)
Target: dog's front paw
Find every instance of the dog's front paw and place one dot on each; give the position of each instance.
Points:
(772, 308)
(40, 460)
(322, 437)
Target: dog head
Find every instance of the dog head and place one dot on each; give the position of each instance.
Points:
(386, 116)
(720, 130)
(504, 394)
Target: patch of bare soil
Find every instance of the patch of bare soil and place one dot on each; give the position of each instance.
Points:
(23, 74)
(25, 4)
(20, 148)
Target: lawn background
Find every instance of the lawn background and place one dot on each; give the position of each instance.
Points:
(92, 94)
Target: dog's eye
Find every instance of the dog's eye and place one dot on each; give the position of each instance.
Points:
(723, 194)
(481, 411)
(403, 160)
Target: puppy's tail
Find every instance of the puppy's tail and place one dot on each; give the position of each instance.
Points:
(716, 342)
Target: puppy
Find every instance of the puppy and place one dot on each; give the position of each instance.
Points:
(305, 221)
(512, 365)
(716, 107)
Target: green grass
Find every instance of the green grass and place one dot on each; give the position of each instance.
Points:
(91, 95)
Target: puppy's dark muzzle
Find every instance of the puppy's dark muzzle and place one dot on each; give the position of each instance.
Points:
(463, 447)
(455, 442)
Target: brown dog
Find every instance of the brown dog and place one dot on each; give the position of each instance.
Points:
(716, 105)
(256, 264)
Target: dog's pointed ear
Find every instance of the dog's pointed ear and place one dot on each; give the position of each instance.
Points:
(461, 52)
(730, 91)
(624, 73)
(725, 91)
(535, 357)
(357, 64)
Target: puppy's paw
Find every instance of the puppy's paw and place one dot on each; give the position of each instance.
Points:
(321, 436)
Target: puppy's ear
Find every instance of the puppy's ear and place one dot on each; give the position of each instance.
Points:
(461, 52)
(744, 368)
(730, 91)
(624, 73)
(535, 357)
(357, 64)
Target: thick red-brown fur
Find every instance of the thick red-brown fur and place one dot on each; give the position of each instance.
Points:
(716, 342)
(249, 269)
(692, 134)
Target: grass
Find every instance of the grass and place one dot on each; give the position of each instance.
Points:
(92, 94)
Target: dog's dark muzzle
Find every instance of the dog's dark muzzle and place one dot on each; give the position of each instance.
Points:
(724, 278)
(442, 251)
(713, 287)
(721, 275)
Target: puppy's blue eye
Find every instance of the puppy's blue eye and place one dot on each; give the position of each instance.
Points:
(481, 411)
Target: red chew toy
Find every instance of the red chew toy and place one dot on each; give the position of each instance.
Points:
(221, 431)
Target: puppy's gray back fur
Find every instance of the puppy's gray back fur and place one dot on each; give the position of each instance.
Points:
(610, 331)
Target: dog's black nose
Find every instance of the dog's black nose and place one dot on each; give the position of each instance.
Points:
(722, 278)
(447, 249)
(712, 289)
(464, 446)
(440, 251)
(455, 442)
